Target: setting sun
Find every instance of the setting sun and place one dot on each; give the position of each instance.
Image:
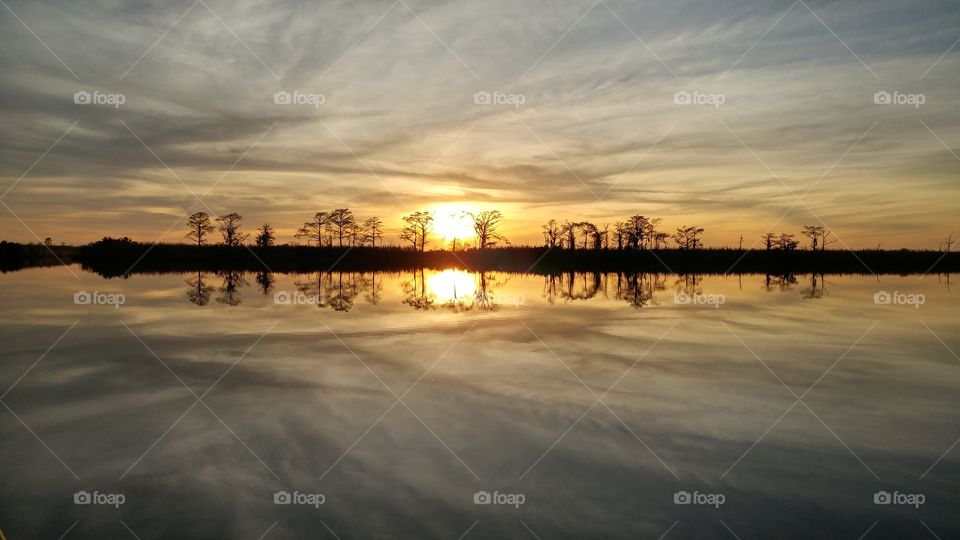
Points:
(452, 223)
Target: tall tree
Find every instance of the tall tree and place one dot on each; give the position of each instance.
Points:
(229, 227)
(637, 228)
(786, 242)
(552, 234)
(619, 233)
(570, 231)
(372, 231)
(588, 230)
(314, 229)
(688, 237)
(769, 239)
(265, 236)
(200, 226)
(486, 225)
(341, 220)
(417, 227)
(813, 233)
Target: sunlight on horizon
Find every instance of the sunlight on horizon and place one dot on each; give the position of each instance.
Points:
(451, 223)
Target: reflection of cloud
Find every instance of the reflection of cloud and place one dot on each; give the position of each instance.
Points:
(401, 102)
(498, 398)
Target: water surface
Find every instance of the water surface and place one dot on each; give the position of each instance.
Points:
(593, 398)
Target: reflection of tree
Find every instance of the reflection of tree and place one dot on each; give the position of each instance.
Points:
(483, 298)
(373, 288)
(782, 282)
(688, 284)
(415, 292)
(817, 287)
(638, 289)
(199, 291)
(265, 282)
(573, 286)
(342, 291)
(336, 290)
(230, 290)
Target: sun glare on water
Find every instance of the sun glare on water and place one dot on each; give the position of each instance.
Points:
(452, 285)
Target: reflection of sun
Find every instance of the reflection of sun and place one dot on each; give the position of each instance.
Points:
(450, 223)
(451, 285)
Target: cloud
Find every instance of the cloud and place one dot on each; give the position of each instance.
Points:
(399, 116)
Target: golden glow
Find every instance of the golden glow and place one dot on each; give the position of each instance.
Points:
(451, 285)
(450, 223)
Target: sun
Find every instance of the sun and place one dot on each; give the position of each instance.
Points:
(451, 223)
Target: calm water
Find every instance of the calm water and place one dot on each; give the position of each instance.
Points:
(585, 405)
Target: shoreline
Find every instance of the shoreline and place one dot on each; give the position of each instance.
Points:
(120, 258)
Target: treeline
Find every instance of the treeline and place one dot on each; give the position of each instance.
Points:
(341, 228)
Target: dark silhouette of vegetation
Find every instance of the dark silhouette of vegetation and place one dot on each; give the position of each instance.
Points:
(486, 226)
(688, 237)
(265, 236)
(200, 226)
(314, 229)
(229, 227)
(341, 221)
(818, 236)
(111, 257)
(417, 227)
(337, 237)
(372, 231)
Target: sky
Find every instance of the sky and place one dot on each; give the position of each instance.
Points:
(738, 116)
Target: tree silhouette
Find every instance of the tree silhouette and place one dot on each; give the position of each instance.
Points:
(552, 234)
(813, 233)
(786, 242)
(588, 230)
(486, 225)
(199, 225)
(417, 228)
(341, 220)
(314, 229)
(229, 227)
(637, 228)
(768, 240)
(569, 230)
(372, 231)
(688, 237)
(265, 236)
